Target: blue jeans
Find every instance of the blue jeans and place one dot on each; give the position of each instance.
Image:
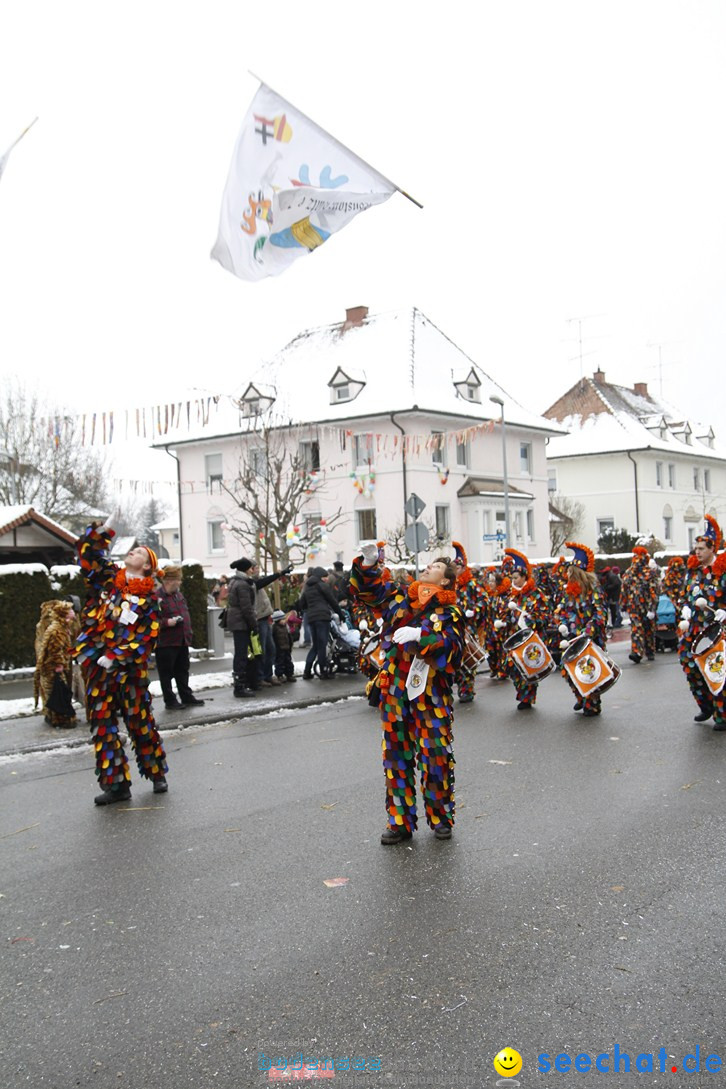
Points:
(267, 661)
(319, 631)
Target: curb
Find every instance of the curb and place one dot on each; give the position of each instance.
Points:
(76, 742)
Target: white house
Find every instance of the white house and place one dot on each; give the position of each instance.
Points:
(634, 463)
(377, 408)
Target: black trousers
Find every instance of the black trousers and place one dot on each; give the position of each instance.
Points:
(173, 665)
(244, 669)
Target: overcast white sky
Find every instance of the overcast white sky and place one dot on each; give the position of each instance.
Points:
(570, 157)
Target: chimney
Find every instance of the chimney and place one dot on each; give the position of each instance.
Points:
(641, 388)
(599, 377)
(354, 315)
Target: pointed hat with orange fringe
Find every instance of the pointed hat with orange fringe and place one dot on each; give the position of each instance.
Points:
(712, 533)
(584, 557)
(520, 561)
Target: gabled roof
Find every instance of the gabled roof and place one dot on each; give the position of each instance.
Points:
(477, 485)
(606, 418)
(14, 517)
(405, 361)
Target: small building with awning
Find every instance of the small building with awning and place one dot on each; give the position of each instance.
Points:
(27, 536)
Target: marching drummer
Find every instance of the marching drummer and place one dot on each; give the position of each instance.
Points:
(465, 678)
(528, 611)
(581, 610)
(704, 604)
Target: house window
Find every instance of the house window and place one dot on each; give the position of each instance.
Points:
(671, 476)
(215, 536)
(213, 472)
(707, 480)
(462, 454)
(605, 524)
(309, 454)
(518, 525)
(530, 524)
(251, 406)
(696, 479)
(257, 462)
(525, 458)
(311, 524)
(659, 474)
(667, 527)
(438, 447)
(691, 537)
(473, 393)
(367, 525)
(551, 480)
(442, 523)
(342, 393)
(363, 448)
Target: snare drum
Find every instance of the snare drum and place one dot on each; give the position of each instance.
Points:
(529, 654)
(709, 654)
(588, 666)
(473, 655)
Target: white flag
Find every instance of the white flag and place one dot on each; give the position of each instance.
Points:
(290, 186)
(4, 158)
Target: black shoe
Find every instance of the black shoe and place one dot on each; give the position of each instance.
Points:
(291, 680)
(192, 701)
(524, 706)
(577, 707)
(590, 713)
(443, 831)
(171, 704)
(160, 786)
(650, 657)
(108, 797)
(243, 693)
(719, 726)
(635, 658)
(307, 676)
(702, 716)
(394, 835)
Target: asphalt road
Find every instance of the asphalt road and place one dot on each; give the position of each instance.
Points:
(173, 940)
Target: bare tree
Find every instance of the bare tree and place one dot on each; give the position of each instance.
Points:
(277, 484)
(43, 463)
(566, 520)
(396, 549)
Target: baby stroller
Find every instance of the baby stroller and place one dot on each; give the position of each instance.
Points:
(342, 649)
(666, 633)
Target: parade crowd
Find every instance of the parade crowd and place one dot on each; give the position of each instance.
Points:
(418, 642)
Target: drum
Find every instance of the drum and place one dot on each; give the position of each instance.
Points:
(529, 654)
(588, 666)
(709, 654)
(372, 649)
(473, 655)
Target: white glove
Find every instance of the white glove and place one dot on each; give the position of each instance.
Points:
(720, 615)
(499, 624)
(512, 605)
(407, 635)
(563, 629)
(564, 644)
(369, 553)
(522, 622)
(683, 625)
(469, 613)
(701, 603)
(651, 616)
(686, 613)
(105, 662)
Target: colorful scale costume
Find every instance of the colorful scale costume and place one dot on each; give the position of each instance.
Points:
(639, 596)
(498, 601)
(674, 579)
(582, 612)
(121, 622)
(465, 679)
(416, 730)
(533, 609)
(703, 584)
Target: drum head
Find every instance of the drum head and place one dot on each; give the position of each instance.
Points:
(710, 635)
(575, 648)
(517, 639)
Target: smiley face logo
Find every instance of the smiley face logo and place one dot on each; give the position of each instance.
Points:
(508, 1062)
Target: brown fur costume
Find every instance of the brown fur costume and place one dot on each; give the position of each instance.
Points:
(53, 642)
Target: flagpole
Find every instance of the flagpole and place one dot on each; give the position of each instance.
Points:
(22, 134)
(337, 141)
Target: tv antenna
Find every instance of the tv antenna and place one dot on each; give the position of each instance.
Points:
(578, 339)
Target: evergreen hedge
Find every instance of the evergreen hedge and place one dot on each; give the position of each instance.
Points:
(21, 595)
(194, 588)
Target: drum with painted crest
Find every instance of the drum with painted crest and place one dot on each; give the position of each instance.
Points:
(588, 666)
(473, 654)
(709, 654)
(529, 654)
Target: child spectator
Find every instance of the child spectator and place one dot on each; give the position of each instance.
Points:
(284, 667)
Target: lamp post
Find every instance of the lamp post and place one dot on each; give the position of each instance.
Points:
(500, 402)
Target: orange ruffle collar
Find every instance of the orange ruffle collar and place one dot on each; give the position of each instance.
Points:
(525, 588)
(141, 587)
(574, 589)
(421, 593)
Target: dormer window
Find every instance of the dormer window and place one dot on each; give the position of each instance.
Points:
(470, 387)
(255, 400)
(708, 438)
(345, 386)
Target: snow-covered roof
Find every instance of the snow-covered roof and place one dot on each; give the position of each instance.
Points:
(13, 517)
(168, 523)
(398, 361)
(607, 418)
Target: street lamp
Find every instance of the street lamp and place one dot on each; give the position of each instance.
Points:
(500, 402)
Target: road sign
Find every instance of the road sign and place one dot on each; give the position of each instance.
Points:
(415, 506)
(416, 537)
(498, 536)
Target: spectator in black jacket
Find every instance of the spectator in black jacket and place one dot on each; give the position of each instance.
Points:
(318, 602)
(242, 622)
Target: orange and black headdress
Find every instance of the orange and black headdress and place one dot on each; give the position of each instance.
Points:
(712, 533)
(520, 561)
(584, 556)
